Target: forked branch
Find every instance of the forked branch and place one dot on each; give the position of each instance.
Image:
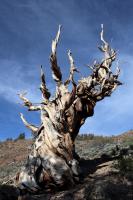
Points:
(103, 82)
(72, 70)
(27, 103)
(52, 159)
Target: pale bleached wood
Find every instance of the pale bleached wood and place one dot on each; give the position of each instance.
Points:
(32, 127)
(52, 160)
(56, 72)
(28, 103)
(72, 69)
(45, 92)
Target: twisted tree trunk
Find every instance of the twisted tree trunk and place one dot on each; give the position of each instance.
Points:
(52, 161)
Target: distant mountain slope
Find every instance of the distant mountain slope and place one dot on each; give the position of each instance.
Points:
(12, 156)
(126, 134)
(107, 169)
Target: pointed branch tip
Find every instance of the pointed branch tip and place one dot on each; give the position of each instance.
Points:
(30, 126)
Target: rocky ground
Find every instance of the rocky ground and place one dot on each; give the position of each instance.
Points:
(106, 169)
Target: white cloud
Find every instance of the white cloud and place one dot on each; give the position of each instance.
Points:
(15, 79)
(110, 114)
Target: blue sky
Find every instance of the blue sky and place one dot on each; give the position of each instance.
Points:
(26, 30)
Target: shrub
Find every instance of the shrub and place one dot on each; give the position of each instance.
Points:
(125, 165)
(21, 136)
(85, 136)
(9, 139)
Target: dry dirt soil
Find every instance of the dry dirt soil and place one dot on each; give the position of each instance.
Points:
(105, 174)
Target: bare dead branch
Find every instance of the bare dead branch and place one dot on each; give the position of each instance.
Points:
(24, 99)
(27, 103)
(71, 98)
(72, 69)
(56, 72)
(33, 128)
(45, 93)
(52, 158)
(106, 45)
(117, 70)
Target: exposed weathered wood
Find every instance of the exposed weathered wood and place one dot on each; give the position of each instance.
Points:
(27, 103)
(56, 72)
(72, 69)
(33, 128)
(45, 93)
(52, 162)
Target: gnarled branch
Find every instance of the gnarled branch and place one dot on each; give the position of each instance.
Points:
(56, 72)
(28, 104)
(45, 93)
(52, 159)
(72, 70)
(33, 128)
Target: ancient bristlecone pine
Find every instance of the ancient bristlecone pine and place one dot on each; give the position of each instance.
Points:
(53, 161)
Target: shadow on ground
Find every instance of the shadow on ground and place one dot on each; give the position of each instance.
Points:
(90, 166)
(8, 192)
(91, 186)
